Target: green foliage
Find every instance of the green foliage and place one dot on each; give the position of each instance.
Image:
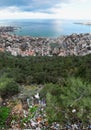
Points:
(63, 94)
(63, 99)
(8, 86)
(4, 113)
(41, 70)
(32, 112)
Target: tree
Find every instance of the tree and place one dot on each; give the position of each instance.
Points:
(69, 102)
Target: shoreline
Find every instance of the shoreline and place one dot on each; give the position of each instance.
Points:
(46, 28)
(84, 23)
(8, 29)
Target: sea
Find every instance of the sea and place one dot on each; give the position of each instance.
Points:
(45, 27)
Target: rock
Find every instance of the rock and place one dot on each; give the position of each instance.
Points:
(18, 108)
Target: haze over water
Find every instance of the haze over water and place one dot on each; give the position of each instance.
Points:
(45, 27)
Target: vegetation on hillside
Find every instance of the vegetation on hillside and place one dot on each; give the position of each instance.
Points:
(69, 102)
(8, 87)
(67, 82)
(41, 70)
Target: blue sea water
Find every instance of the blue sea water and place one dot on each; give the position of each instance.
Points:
(45, 27)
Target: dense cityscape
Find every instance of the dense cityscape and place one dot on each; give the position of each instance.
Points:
(75, 44)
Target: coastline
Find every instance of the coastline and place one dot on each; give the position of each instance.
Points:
(8, 29)
(52, 28)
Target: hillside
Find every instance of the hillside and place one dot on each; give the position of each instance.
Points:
(62, 86)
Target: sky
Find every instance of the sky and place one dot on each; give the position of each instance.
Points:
(45, 9)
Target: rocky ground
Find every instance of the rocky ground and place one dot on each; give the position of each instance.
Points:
(28, 112)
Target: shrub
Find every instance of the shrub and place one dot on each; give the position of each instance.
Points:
(63, 99)
(8, 87)
(4, 113)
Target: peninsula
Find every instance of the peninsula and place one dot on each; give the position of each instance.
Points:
(7, 29)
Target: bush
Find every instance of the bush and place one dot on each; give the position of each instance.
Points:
(4, 113)
(8, 87)
(61, 100)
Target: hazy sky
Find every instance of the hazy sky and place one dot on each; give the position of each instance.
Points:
(58, 9)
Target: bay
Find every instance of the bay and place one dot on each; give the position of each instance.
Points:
(45, 27)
